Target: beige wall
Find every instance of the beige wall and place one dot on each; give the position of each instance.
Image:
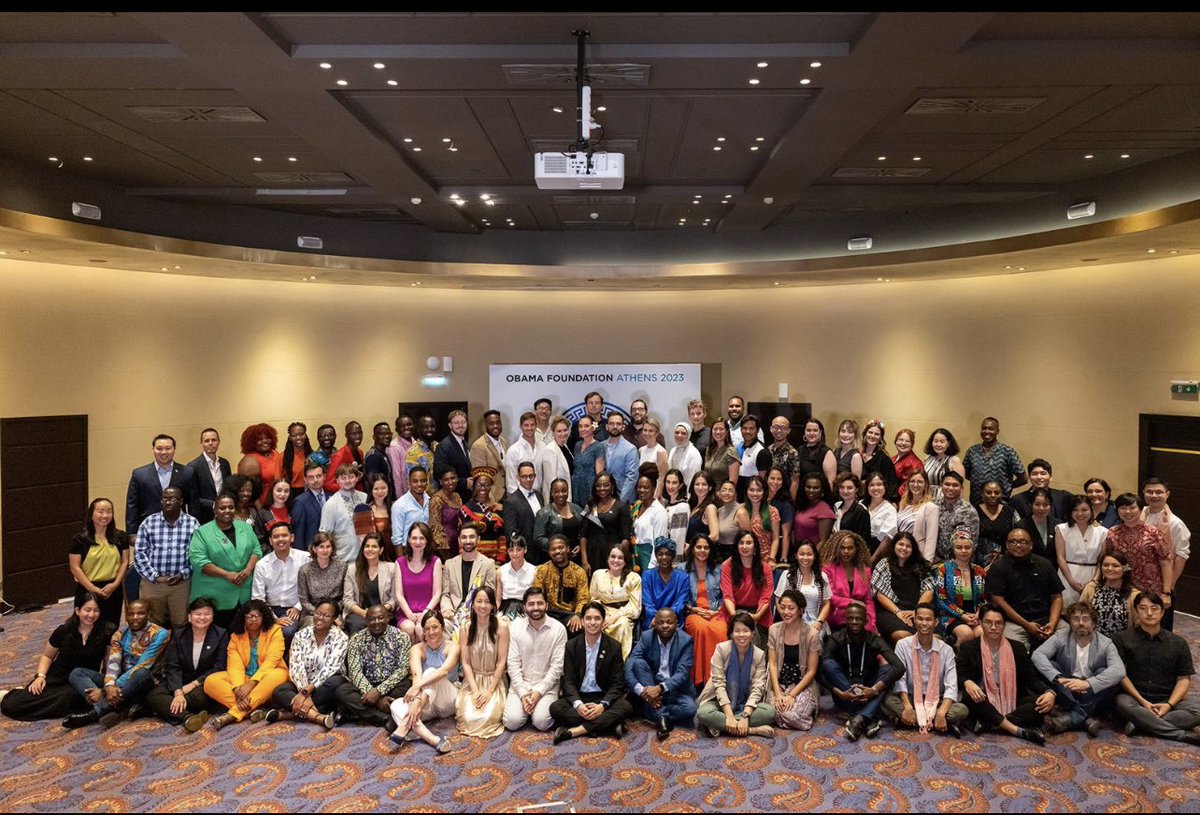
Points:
(1065, 359)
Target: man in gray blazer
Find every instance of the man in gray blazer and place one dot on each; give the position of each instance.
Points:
(1084, 668)
(463, 571)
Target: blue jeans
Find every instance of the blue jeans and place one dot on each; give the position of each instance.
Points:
(1083, 706)
(85, 679)
(833, 676)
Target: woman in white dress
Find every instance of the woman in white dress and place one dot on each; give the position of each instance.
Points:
(434, 693)
(1079, 545)
(653, 452)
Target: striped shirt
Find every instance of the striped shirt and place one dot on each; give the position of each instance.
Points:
(162, 547)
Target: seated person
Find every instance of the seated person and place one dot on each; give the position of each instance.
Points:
(433, 693)
(479, 711)
(254, 667)
(565, 584)
(1158, 675)
(1026, 588)
(536, 649)
(194, 651)
(858, 667)
(592, 700)
(926, 697)
(659, 672)
(377, 671)
(793, 657)
(664, 586)
(900, 583)
(277, 577)
(81, 642)
(1084, 668)
(1000, 686)
(733, 702)
(128, 671)
(369, 581)
(314, 671)
(463, 572)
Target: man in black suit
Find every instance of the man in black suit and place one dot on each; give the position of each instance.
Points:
(144, 497)
(1040, 474)
(520, 508)
(306, 509)
(593, 700)
(179, 696)
(209, 472)
(377, 462)
(452, 453)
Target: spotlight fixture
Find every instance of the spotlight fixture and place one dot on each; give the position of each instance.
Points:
(814, 65)
(342, 83)
(806, 81)
(87, 158)
(292, 158)
(859, 243)
(258, 158)
(753, 81)
(89, 211)
(393, 82)
(379, 66)
(326, 66)
(762, 65)
(1083, 209)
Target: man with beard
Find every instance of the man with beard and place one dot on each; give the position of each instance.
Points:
(489, 451)
(621, 458)
(377, 460)
(464, 571)
(536, 649)
(659, 672)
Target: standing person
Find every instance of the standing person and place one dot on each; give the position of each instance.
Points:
(491, 450)
(698, 427)
(918, 514)
(996, 519)
(224, 553)
(209, 472)
(350, 453)
(560, 517)
(277, 510)
(337, 516)
(277, 577)
(295, 456)
(1085, 670)
(620, 458)
(588, 454)
(397, 453)
(261, 459)
(326, 445)
(906, 462)
(736, 410)
(755, 460)
(523, 502)
(99, 558)
(649, 523)
(675, 499)
(814, 516)
(953, 514)
(1026, 588)
(410, 508)
(793, 657)
(941, 457)
(659, 672)
(556, 459)
(1158, 675)
(1156, 493)
(445, 514)
(484, 642)
(721, 461)
(851, 515)
(858, 668)
(1099, 495)
(1151, 559)
(378, 488)
(815, 455)
(1001, 687)
(427, 431)
(882, 512)
(960, 584)
(144, 496)
(784, 456)
(315, 663)
(377, 462)
(537, 647)
(81, 642)
(876, 460)
(732, 520)
(1040, 523)
(778, 498)
(452, 453)
(846, 454)
(639, 412)
(308, 504)
(377, 671)
(592, 700)
(746, 585)
(1078, 546)
(483, 514)
(619, 589)
(564, 585)
(706, 621)
(992, 460)
(733, 702)
(1040, 475)
(417, 582)
(764, 520)
(926, 697)
(593, 410)
(128, 673)
(543, 410)
(524, 449)
(607, 521)
(684, 456)
(702, 512)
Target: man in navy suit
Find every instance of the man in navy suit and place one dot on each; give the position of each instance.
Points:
(452, 453)
(209, 472)
(306, 509)
(520, 508)
(659, 671)
(593, 700)
(146, 485)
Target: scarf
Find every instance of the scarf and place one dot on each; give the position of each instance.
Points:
(926, 692)
(737, 677)
(1002, 689)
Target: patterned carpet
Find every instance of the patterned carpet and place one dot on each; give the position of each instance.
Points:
(148, 765)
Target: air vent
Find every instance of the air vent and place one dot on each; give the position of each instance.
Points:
(880, 172)
(602, 225)
(370, 213)
(188, 113)
(973, 105)
(624, 146)
(304, 178)
(617, 75)
(592, 200)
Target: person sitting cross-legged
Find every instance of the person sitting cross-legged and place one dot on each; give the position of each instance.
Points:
(314, 671)
(858, 667)
(1084, 668)
(377, 671)
(194, 652)
(592, 700)
(926, 697)
(733, 702)
(659, 672)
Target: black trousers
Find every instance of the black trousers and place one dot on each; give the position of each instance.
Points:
(159, 699)
(323, 695)
(349, 699)
(566, 716)
(1024, 715)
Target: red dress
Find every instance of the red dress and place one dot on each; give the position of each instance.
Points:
(905, 467)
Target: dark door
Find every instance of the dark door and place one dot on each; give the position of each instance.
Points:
(1169, 449)
(43, 478)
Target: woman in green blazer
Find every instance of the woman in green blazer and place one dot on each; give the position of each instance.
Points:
(223, 554)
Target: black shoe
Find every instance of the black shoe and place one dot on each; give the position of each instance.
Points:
(1190, 737)
(854, 727)
(619, 731)
(390, 726)
(1032, 734)
(977, 726)
(1092, 727)
(1056, 724)
(137, 711)
(561, 734)
(1130, 729)
(873, 729)
(954, 730)
(111, 719)
(664, 728)
(76, 720)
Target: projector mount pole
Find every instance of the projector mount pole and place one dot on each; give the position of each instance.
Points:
(583, 98)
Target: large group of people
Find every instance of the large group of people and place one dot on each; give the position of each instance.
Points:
(594, 571)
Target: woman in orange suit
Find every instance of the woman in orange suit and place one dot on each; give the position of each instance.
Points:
(254, 668)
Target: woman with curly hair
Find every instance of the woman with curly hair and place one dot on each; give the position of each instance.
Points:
(848, 571)
(261, 458)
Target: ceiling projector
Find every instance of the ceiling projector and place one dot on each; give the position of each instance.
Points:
(579, 171)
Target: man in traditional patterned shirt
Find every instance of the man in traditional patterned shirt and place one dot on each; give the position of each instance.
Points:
(377, 671)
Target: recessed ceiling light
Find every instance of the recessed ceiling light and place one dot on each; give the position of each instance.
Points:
(24, 251)
(446, 141)
(490, 202)
(258, 158)
(453, 149)
(879, 280)
(602, 108)
(312, 277)
(343, 82)
(164, 269)
(292, 158)
(393, 82)
(814, 65)
(753, 147)
(459, 202)
(776, 283)
(1089, 155)
(720, 138)
(408, 141)
(510, 223)
(416, 201)
(881, 158)
(5, 252)
(1151, 251)
(416, 149)
(1007, 267)
(753, 81)
(557, 109)
(54, 158)
(379, 66)
(806, 81)
(762, 65)
(683, 220)
(484, 196)
(1124, 155)
(455, 195)
(87, 158)
(717, 148)
(326, 65)
(1020, 268)
(729, 196)
(916, 158)
(760, 138)
(1172, 252)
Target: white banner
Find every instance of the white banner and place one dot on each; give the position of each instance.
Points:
(666, 388)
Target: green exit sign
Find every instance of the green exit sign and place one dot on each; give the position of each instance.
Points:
(1185, 387)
